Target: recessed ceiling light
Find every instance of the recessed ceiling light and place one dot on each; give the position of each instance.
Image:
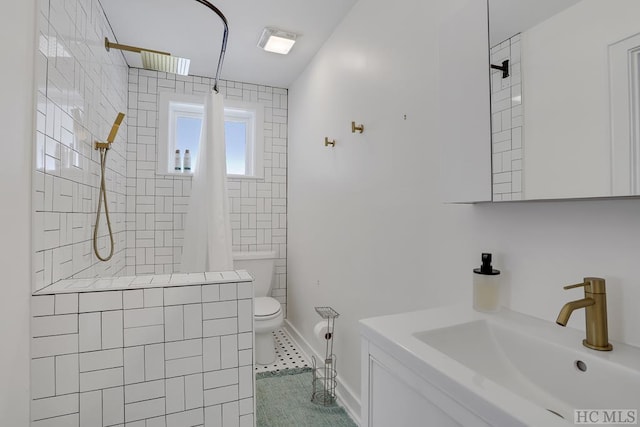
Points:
(276, 41)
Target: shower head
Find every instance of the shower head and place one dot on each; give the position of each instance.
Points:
(112, 135)
(154, 59)
(114, 128)
(167, 63)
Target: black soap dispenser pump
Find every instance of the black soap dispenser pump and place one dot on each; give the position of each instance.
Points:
(486, 286)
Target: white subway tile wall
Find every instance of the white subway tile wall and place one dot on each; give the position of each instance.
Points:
(129, 361)
(507, 122)
(80, 88)
(157, 204)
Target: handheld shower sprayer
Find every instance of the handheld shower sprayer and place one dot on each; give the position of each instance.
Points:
(103, 147)
(112, 134)
(114, 128)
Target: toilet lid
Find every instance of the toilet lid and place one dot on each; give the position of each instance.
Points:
(266, 306)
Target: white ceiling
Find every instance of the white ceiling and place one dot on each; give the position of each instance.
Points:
(510, 17)
(190, 30)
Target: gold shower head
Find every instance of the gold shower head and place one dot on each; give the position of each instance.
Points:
(154, 59)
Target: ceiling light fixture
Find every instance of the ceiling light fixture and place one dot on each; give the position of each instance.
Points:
(276, 41)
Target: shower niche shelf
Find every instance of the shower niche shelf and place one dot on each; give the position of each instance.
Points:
(325, 373)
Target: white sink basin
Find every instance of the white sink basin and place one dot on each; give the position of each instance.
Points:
(510, 364)
(538, 367)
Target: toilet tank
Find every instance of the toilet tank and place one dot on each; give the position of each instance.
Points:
(261, 265)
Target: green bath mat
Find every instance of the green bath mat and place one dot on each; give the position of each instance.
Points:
(283, 399)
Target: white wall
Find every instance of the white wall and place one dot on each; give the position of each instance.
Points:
(364, 217)
(565, 78)
(80, 89)
(17, 24)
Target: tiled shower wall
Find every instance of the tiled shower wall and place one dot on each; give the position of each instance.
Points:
(80, 89)
(154, 357)
(157, 204)
(507, 121)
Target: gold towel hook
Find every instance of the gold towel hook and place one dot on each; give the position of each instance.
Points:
(328, 142)
(356, 128)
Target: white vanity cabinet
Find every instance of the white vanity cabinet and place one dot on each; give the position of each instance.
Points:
(454, 366)
(393, 395)
(464, 124)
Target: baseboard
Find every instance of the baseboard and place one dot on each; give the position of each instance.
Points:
(345, 396)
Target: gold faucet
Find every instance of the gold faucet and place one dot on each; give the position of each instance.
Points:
(595, 305)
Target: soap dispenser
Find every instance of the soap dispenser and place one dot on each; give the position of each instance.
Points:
(486, 286)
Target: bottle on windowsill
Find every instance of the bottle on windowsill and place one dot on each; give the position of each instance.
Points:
(187, 161)
(178, 162)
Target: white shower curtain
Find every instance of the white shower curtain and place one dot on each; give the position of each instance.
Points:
(207, 234)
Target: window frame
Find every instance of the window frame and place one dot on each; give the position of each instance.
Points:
(251, 113)
(172, 105)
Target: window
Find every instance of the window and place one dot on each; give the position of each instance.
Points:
(181, 118)
(240, 132)
(184, 127)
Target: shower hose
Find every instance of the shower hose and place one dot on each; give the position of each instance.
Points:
(102, 196)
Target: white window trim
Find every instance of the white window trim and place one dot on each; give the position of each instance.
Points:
(194, 104)
(189, 104)
(255, 157)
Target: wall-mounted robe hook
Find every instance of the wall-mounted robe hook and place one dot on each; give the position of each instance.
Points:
(328, 142)
(356, 128)
(504, 68)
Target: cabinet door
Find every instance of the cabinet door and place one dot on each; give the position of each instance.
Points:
(465, 116)
(394, 403)
(393, 395)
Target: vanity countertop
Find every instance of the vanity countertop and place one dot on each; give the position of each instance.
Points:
(507, 367)
(98, 284)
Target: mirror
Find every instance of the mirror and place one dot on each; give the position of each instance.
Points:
(566, 121)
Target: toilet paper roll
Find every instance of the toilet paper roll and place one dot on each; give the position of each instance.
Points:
(321, 331)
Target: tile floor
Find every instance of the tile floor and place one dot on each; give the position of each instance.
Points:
(287, 355)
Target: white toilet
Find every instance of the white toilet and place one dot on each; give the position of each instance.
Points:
(267, 312)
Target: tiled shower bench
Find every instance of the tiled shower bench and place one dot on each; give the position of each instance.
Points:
(146, 351)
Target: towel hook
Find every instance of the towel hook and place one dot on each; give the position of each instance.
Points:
(504, 68)
(356, 128)
(328, 142)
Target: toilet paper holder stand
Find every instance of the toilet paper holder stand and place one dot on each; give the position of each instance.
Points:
(325, 374)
